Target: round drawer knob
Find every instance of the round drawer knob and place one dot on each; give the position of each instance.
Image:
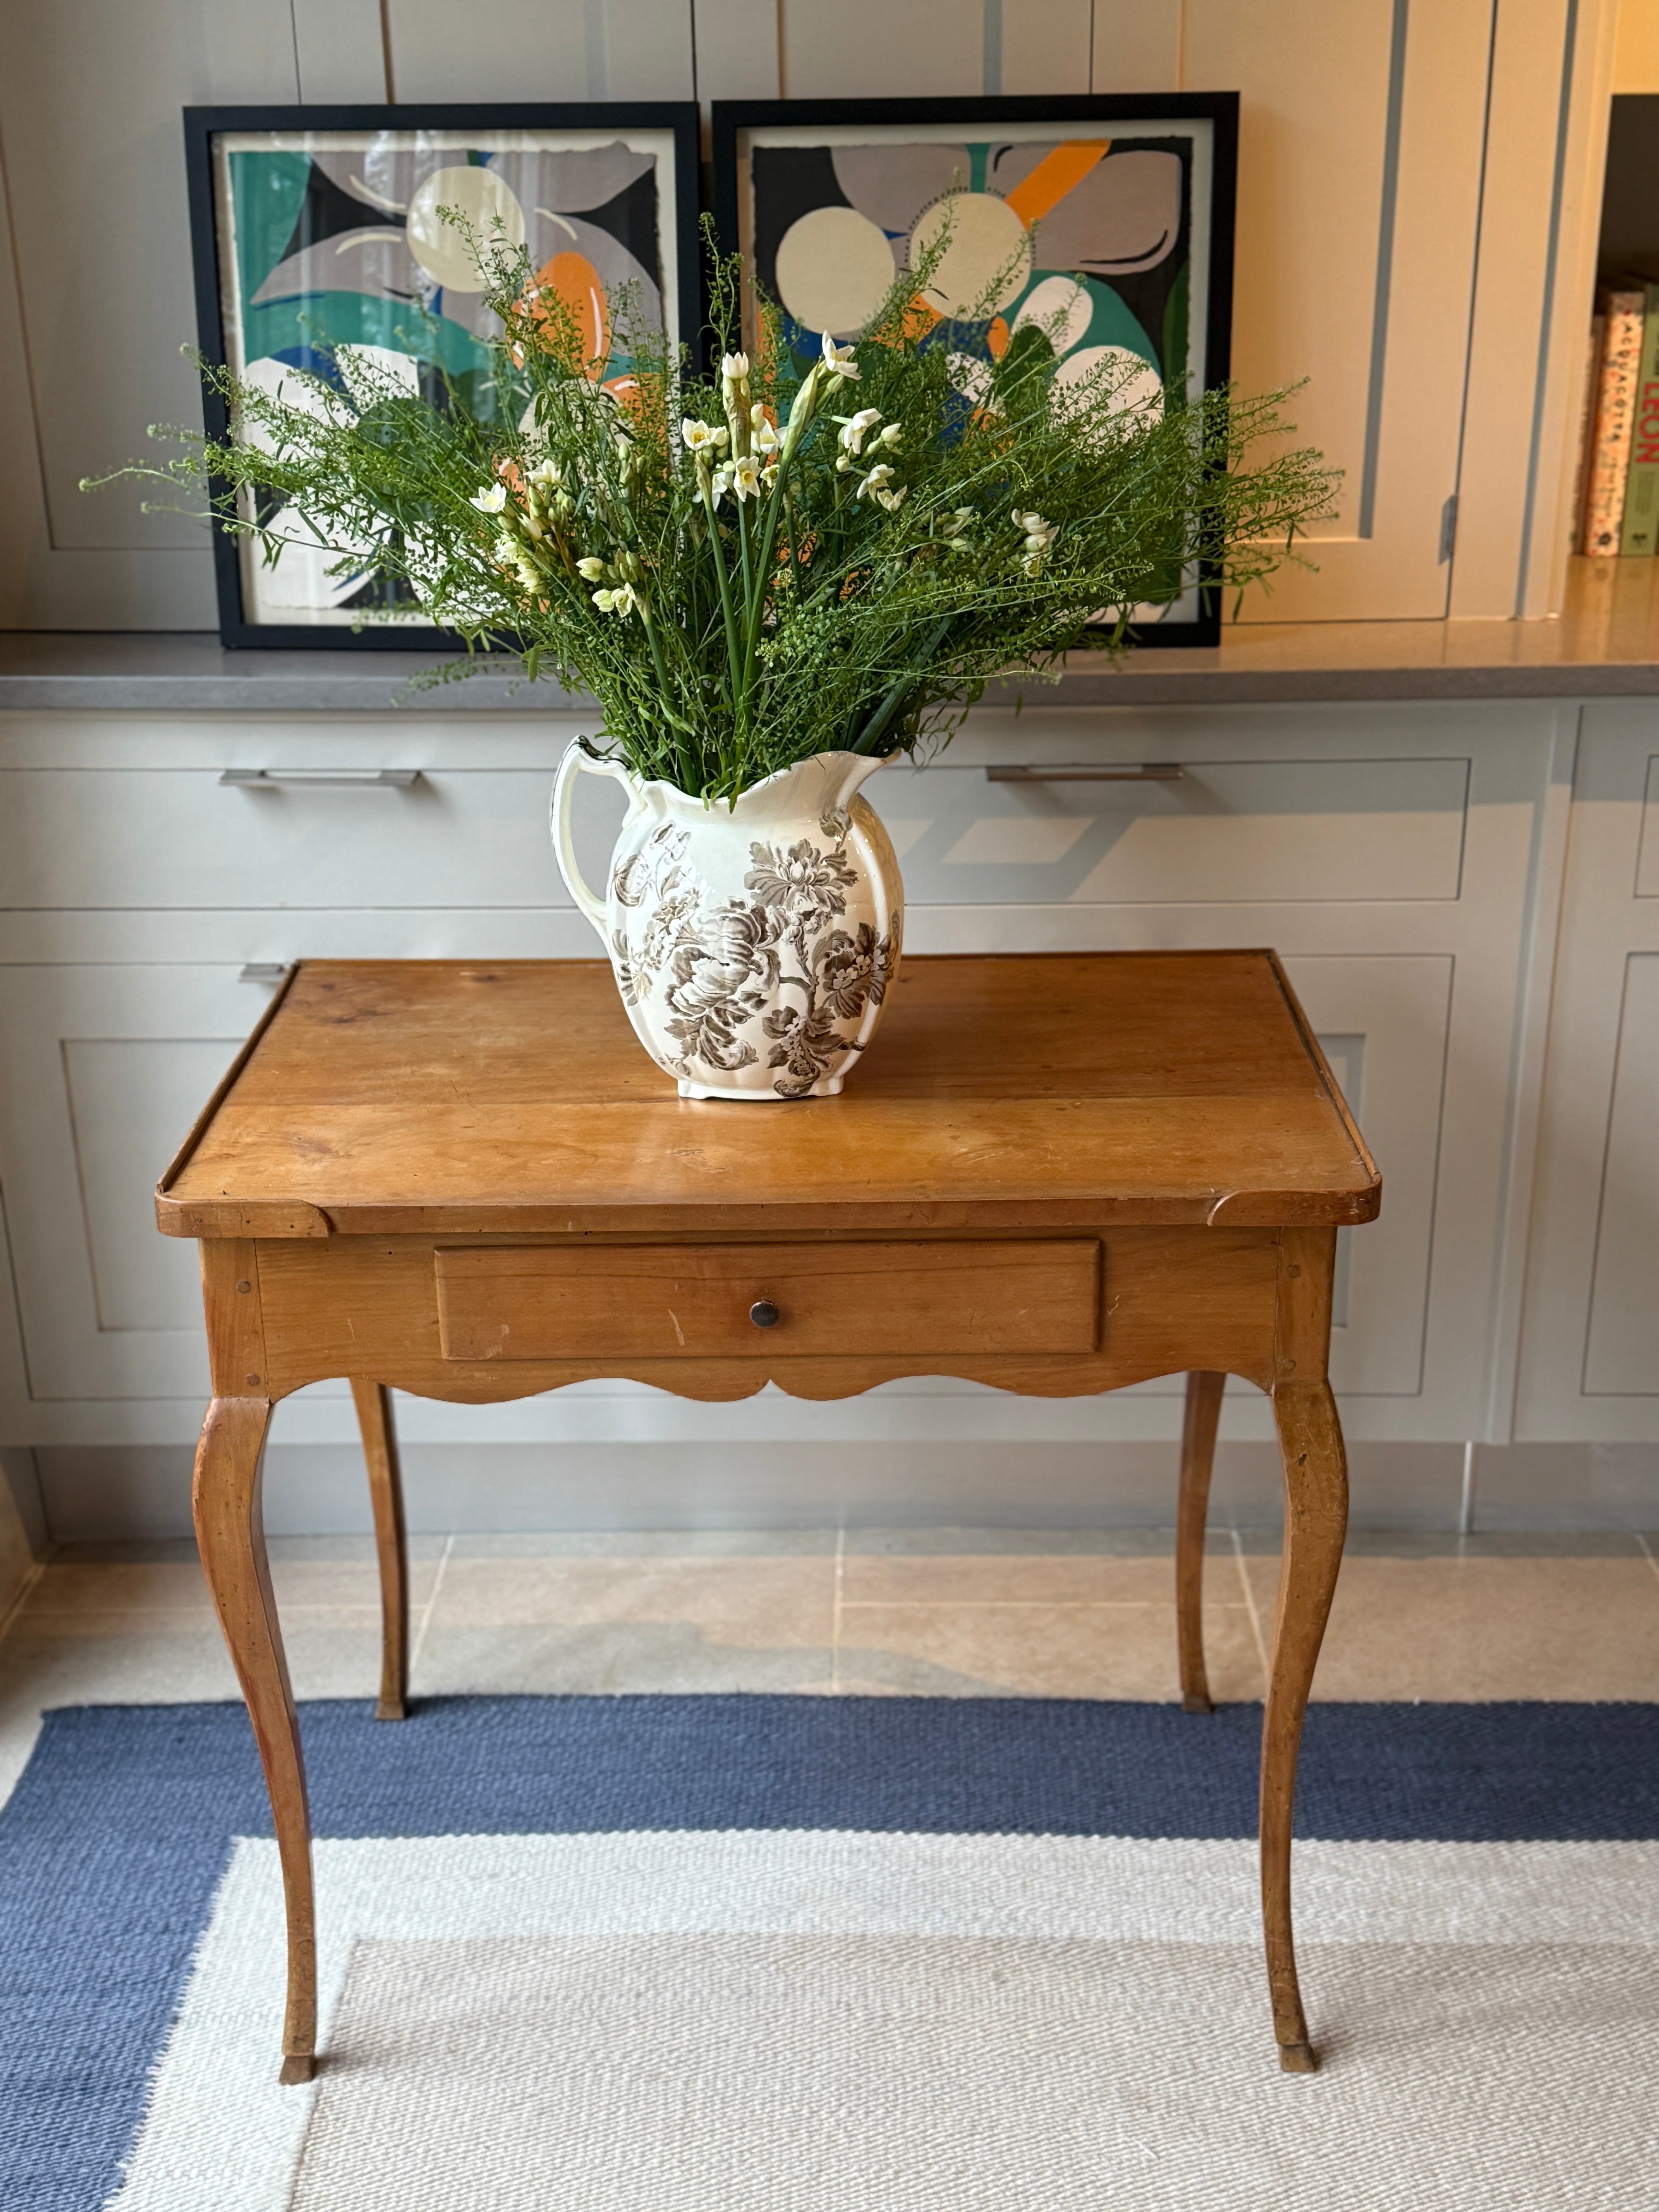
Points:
(764, 1314)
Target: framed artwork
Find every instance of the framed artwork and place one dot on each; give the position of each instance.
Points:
(319, 227)
(1107, 221)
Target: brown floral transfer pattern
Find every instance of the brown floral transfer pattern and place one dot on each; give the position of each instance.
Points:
(775, 962)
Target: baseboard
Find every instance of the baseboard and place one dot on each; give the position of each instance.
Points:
(116, 1494)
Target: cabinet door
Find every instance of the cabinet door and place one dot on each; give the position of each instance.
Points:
(1589, 1360)
(103, 1070)
(1360, 146)
(1383, 1023)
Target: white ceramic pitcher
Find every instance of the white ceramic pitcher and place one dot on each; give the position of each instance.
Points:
(753, 944)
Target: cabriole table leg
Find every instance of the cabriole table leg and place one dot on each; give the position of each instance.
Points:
(231, 1536)
(1315, 1521)
(1197, 1457)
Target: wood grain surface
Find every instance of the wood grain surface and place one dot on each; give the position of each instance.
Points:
(1041, 1091)
(368, 1306)
(909, 1301)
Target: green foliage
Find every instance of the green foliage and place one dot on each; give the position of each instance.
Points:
(747, 569)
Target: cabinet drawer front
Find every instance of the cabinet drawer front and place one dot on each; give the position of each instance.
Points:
(675, 1302)
(1229, 831)
(472, 839)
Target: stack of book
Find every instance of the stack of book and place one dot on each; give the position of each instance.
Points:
(1617, 507)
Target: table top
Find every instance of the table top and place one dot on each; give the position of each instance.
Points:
(393, 1097)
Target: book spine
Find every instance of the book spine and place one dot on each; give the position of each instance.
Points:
(1640, 532)
(1598, 333)
(1610, 441)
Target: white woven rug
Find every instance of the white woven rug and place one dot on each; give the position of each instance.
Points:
(823, 2022)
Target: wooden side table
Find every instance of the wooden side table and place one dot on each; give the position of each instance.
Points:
(1057, 1175)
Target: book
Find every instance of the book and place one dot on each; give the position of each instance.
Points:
(1598, 330)
(1640, 533)
(1615, 411)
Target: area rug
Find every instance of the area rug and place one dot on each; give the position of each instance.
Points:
(723, 1953)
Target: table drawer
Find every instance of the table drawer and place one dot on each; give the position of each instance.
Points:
(680, 1302)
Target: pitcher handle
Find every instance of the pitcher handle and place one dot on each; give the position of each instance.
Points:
(575, 761)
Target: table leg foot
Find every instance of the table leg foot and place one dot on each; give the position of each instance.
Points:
(298, 2066)
(1297, 2058)
(391, 1709)
(1198, 1429)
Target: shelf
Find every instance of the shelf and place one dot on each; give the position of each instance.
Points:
(1606, 644)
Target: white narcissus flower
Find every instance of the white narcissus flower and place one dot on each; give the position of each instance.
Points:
(592, 568)
(745, 476)
(622, 600)
(720, 482)
(734, 368)
(545, 472)
(763, 430)
(853, 427)
(1040, 536)
(891, 434)
(839, 360)
(892, 501)
(875, 483)
(702, 437)
(490, 498)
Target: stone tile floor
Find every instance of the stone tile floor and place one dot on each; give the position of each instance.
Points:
(939, 1612)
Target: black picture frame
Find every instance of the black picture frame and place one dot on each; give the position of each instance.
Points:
(203, 127)
(1215, 112)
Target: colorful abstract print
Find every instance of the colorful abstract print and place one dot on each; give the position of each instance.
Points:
(1090, 240)
(346, 240)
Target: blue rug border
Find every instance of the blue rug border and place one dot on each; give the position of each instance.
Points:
(116, 1837)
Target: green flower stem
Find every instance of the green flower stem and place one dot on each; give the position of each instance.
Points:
(747, 627)
(867, 738)
(674, 721)
(727, 610)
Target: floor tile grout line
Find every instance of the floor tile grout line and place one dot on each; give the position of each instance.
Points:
(834, 1618)
(902, 1602)
(432, 1599)
(1255, 1618)
(25, 1590)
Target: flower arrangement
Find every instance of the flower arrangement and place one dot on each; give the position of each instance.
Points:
(776, 561)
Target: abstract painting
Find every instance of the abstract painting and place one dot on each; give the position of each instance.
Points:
(326, 234)
(1106, 223)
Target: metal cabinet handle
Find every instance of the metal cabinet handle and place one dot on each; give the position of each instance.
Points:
(764, 1314)
(263, 971)
(372, 779)
(1143, 772)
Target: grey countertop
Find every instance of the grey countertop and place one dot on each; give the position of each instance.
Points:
(1606, 645)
